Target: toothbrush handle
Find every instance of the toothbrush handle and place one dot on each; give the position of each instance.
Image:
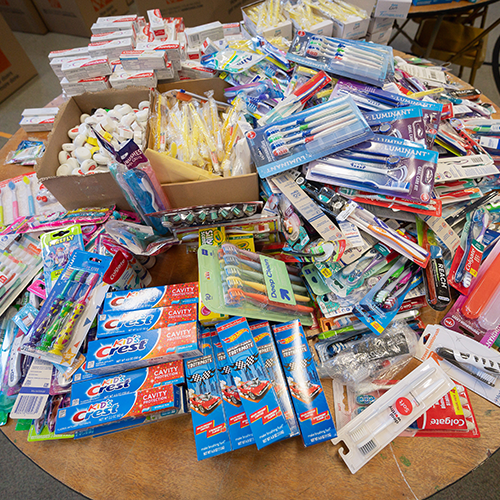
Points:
(15, 209)
(1, 215)
(31, 205)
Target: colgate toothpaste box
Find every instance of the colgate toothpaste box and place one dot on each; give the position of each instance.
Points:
(311, 407)
(117, 407)
(238, 424)
(127, 382)
(209, 421)
(148, 298)
(128, 322)
(258, 397)
(263, 339)
(127, 352)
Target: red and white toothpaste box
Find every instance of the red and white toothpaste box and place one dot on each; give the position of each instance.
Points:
(127, 322)
(114, 35)
(147, 298)
(81, 69)
(231, 29)
(157, 24)
(167, 73)
(122, 79)
(172, 48)
(140, 60)
(127, 352)
(76, 52)
(111, 48)
(193, 70)
(37, 123)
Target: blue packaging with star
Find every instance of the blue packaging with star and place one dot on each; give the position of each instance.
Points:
(238, 424)
(311, 407)
(263, 338)
(256, 391)
(205, 400)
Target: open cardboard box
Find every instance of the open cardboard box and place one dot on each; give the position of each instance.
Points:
(99, 190)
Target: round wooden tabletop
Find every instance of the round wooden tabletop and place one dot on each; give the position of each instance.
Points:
(159, 460)
(448, 9)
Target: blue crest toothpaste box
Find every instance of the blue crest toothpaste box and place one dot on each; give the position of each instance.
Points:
(117, 407)
(311, 407)
(127, 322)
(127, 382)
(205, 400)
(256, 391)
(127, 352)
(263, 338)
(238, 425)
(148, 298)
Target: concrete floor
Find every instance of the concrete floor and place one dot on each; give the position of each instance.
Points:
(20, 478)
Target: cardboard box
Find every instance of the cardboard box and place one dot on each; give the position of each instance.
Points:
(397, 9)
(75, 17)
(381, 37)
(378, 24)
(15, 66)
(21, 15)
(351, 31)
(195, 12)
(283, 28)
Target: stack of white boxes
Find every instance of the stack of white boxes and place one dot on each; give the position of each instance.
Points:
(379, 30)
(127, 50)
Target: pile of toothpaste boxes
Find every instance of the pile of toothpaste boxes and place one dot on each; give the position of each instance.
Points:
(134, 368)
(134, 51)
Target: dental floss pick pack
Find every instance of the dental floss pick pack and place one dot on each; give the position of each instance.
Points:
(374, 428)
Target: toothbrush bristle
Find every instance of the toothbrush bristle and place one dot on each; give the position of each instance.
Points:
(368, 447)
(359, 433)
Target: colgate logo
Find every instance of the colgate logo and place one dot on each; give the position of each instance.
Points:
(122, 346)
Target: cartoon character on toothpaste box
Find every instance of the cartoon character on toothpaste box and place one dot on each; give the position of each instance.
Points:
(256, 391)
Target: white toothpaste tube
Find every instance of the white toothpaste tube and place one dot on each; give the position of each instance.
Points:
(82, 69)
(110, 48)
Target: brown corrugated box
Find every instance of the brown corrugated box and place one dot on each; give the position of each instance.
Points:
(75, 17)
(22, 15)
(101, 190)
(15, 66)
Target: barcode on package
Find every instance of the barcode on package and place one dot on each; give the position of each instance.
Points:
(29, 405)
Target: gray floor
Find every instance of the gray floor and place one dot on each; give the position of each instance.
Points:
(20, 478)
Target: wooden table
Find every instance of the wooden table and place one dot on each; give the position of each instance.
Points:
(159, 460)
(439, 12)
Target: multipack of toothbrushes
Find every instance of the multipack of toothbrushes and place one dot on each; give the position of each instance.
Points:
(20, 262)
(346, 58)
(205, 400)
(379, 167)
(374, 428)
(238, 425)
(235, 281)
(149, 298)
(370, 99)
(144, 348)
(313, 415)
(57, 247)
(66, 316)
(117, 407)
(127, 383)
(257, 393)
(306, 136)
(477, 314)
(264, 340)
(463, 359)
(116, 323)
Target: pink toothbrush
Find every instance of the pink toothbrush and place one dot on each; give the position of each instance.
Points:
(15, 206)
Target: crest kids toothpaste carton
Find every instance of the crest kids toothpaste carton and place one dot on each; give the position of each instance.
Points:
(238, 424)
(117, 407)
(127, 382)
(127, 322)
(263, 339)
(148, 298)
(315, 420)
(209, 421)
(256, 391)
(126, 352)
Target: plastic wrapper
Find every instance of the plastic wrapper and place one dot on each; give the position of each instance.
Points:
(27, 153)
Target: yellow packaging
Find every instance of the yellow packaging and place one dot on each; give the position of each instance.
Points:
(243, 241)
(212, 236)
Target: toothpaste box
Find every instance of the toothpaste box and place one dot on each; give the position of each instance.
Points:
(106, 27)
(113, 35)
(167, 73)
(126, 352)
(311, 407)
(117, 407)
(37, 123)
(236, 418)
(81, 69)
(147, 298)
(231, 29)
(127, 382)
(171, 47)
(192, 70)
(196, 35)
(258, 397)
(111, 48)
(128, 322)
(136, 60)
(86, 85)
(263, 339)
(205, 400)
(76, 52)
(157, 24)
(122, 79)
